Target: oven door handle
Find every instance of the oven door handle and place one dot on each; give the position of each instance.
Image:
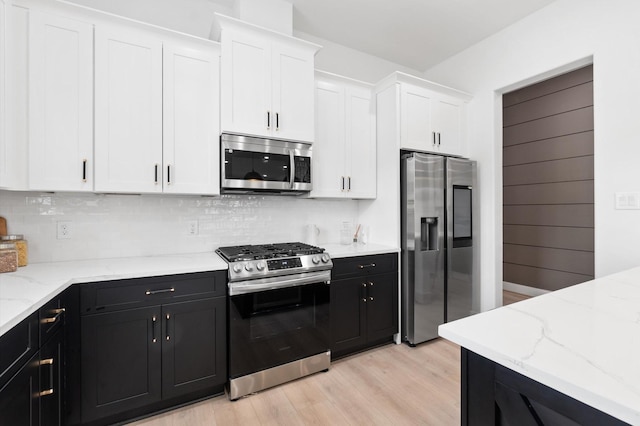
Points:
(274, 283)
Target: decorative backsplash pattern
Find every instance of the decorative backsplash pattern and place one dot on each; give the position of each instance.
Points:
(106, 226)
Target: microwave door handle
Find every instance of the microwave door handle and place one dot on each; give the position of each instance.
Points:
(292, 168)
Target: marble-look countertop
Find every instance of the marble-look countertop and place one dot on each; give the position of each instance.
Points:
(583, 341)
(30, 287)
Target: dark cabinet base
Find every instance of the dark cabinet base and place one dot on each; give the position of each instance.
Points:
(495, 395)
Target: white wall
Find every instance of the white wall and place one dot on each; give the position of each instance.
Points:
(106, 226)
(562, 36)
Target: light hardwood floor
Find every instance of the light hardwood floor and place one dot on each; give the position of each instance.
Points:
(389, 385)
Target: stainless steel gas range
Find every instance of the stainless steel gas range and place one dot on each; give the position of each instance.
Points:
(278, 314)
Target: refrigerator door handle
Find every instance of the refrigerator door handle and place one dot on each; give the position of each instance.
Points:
(429, 234)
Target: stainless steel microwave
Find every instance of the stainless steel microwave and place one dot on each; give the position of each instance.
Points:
(258, 165)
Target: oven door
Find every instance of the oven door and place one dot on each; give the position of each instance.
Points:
(272, 327)
(254, 164)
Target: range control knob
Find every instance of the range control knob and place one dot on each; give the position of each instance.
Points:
(325, 258)
(261, 265)
(248, 267)
(237, 268)
(315, 260)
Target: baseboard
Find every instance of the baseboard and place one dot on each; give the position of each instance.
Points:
(523, 289)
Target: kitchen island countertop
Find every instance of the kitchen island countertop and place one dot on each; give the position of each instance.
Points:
(30, 287)
(583, 341)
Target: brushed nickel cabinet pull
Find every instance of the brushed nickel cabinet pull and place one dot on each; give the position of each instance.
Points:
(371, 265)
(54, 318)
(84, 170)
(371, 298)
(164, 290)
(364, 299)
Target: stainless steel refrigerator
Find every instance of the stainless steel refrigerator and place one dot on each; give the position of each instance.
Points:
(438, 240)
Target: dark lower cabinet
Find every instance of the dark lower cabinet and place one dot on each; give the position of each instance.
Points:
(364, 302)
(495, 395)
(148, 358)
(32, 369)
(120, 361)
(19, 397)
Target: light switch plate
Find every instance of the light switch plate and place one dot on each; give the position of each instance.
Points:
(627, 200)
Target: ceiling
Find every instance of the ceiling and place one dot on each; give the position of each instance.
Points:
(414, 33)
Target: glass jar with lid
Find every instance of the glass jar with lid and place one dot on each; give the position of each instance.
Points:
(8, 257)
(22, 247)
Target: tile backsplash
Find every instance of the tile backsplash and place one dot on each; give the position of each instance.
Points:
(105, 225)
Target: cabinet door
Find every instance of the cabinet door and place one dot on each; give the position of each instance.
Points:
(193, 346)
(415, 118)
(120, 361)
(382, 306)
(447, 123)
(191, 128)
(19, 403)
(292, 96)
(361, 140)
(348, 315)
(329, 147)
(60, 103)
(246, 84)
(128, 111)
(51, 378)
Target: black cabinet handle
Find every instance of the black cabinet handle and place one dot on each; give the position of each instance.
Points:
(277, 121)
(434, 138)
(438, 138)
(169, 174)
(370, 265)
(155, 175)
(84, 170)
(268, 120)
(349, 181)
(49, 362)
(342, 188)
(153, 329)
(167, 324)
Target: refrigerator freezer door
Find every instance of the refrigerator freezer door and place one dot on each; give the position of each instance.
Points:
(460, 238)
(423, 243)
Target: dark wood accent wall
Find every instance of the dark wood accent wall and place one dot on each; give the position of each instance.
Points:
(548, 182)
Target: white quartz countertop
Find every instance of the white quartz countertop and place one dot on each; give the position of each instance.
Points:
(30, 287)
(352, 250)
(583, 341)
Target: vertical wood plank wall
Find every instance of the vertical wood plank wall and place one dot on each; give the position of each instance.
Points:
(548, 182)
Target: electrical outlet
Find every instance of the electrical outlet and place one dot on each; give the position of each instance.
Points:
(192, 227)
(65, 230)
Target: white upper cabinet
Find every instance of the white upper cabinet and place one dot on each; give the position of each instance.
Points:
(60, 103)
(191, 154)
(432, 117)
(344, 152)
(267, 82)
(128, 111)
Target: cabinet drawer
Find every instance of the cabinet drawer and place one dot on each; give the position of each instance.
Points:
(364, 265)
(17, 346)
(124, 294)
